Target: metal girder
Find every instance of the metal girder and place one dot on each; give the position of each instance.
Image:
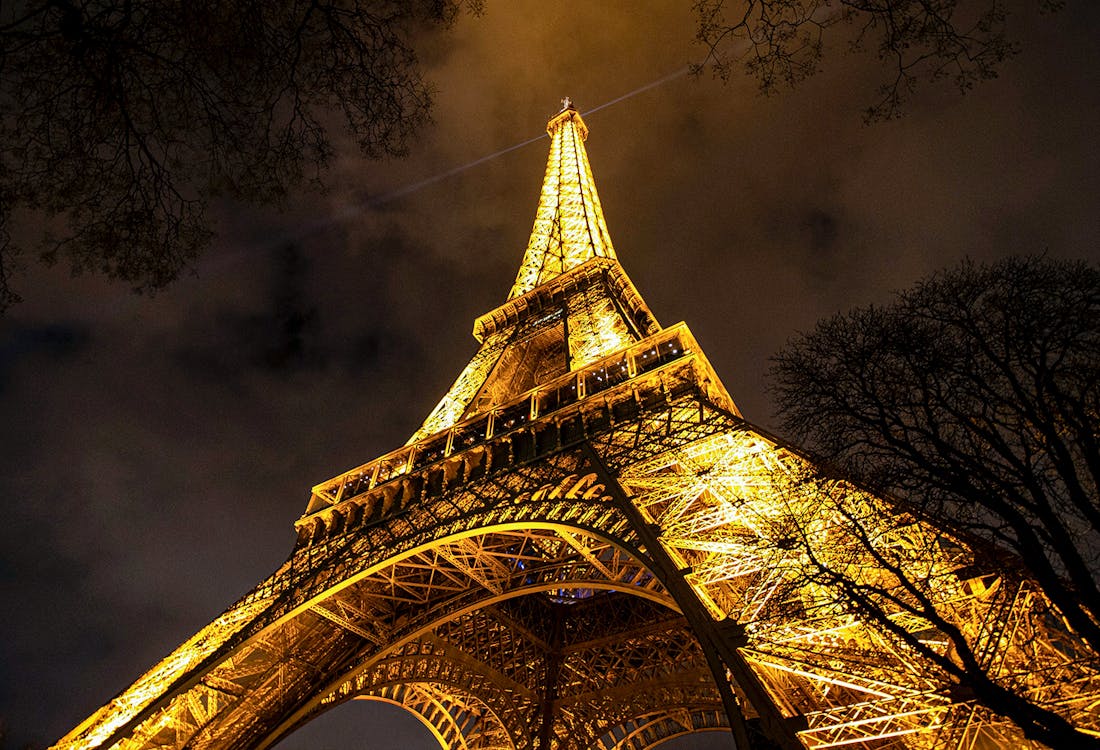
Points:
(713, 503)
(585, 546)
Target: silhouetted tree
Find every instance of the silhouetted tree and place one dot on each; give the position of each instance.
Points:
(120, 119)
(780, 42)
(955, 610)
(974, 400)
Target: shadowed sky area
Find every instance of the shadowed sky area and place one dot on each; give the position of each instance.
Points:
(157, 450)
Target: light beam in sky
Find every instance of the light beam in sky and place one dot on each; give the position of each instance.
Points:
(319, 226)
(322, 225)
(398, 193)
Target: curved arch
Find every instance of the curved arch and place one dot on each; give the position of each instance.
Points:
(614, 573)
(468, 723)
(649, 730)
(525, 526)
(575, 501)
(451, 684)
(376, 586)
(417, 714)
(643, 691)
(318, 569)
(457, 720)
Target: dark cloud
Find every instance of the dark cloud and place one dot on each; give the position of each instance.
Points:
(280, 337)
(823, 231)
(156, 451)
(48, 343)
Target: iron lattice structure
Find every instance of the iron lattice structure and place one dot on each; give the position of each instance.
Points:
(586, 546)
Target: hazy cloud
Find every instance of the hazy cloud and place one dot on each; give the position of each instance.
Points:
(156, 451)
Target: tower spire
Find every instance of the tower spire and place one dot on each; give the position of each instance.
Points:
(569, 225)
(585, 546)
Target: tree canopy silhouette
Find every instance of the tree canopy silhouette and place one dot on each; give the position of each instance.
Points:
(974, 399)
(120, 119)
(781, 42)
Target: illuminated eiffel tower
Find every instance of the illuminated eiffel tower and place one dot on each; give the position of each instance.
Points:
(586, 546)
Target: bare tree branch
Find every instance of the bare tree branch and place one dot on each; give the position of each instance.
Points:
(974, 398)
(121, 119)
(780, 42)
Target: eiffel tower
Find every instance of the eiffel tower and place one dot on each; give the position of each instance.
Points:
(586, 546)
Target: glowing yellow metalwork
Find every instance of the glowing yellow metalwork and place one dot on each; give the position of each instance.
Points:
(452, 406)
(595, 331)
(569, 231)
(582, 468)
(569, 225)
(755, 526)
(99, 726)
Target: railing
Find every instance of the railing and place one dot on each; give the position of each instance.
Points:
(545, 399)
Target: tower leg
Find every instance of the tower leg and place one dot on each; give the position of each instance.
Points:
(721, 654)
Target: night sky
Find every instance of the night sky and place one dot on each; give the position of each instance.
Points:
(156, 450)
